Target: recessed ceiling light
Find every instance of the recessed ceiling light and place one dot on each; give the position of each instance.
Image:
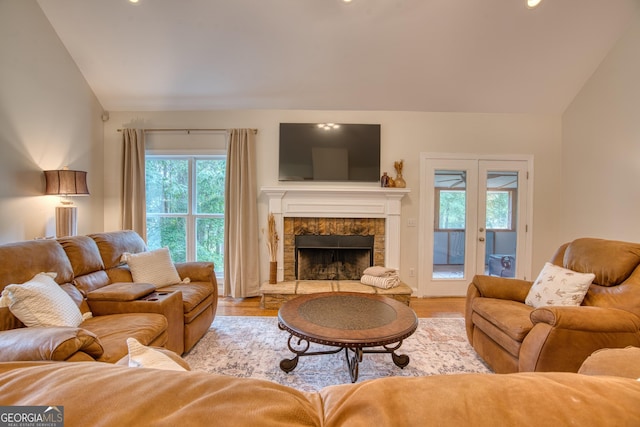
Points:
(133, 1)
(533, 3)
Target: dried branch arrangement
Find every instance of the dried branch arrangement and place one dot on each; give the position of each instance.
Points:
(272, 238)
(398, 167)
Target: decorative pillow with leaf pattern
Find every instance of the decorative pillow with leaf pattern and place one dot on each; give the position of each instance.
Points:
(556, 285)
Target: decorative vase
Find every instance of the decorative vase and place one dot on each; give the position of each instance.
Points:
(399, 181)
(273, 272)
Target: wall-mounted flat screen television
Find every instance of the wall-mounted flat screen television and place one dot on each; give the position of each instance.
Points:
(329, 152)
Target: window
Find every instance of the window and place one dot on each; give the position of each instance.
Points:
(185, 207)
(499, 210)
(451, 209)
(451, 206)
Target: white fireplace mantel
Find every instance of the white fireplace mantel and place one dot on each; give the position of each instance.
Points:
(339, 202)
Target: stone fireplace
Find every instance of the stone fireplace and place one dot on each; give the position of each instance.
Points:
(331, 248)
(356, 214)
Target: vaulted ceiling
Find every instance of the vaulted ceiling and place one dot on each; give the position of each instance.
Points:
(404, 55)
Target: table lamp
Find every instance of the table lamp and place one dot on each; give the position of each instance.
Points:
(66, 183)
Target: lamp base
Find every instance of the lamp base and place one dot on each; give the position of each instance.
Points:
(66, 221)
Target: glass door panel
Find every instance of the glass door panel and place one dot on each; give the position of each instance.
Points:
(450, 224)
(500, 217)
(501, 223)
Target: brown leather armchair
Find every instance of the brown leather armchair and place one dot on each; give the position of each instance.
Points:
(513, 337)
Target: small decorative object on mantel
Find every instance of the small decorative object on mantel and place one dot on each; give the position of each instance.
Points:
(399, 181)
(384, 180)
(272, 245)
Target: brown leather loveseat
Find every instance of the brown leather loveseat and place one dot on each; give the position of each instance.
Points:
(512, 336)
(89, 269)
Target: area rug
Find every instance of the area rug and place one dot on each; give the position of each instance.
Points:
(249, 346)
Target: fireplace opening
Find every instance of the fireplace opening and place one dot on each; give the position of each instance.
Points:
(332, 257)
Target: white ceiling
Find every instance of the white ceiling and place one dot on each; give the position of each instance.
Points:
(405, 55)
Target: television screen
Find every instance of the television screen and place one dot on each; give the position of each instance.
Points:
(329, 152)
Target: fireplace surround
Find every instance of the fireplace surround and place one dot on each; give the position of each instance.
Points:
(328, 210)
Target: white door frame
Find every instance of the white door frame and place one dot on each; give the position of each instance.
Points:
(426, 209)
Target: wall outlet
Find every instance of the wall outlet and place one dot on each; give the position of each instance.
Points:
(412, 272)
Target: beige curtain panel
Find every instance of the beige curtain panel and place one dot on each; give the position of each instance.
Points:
(241, 252)
(134, 209)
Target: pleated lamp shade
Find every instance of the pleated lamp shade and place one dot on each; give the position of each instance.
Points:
(66, 182)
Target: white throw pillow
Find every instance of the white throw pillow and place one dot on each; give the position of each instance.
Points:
(558, 286)
(155, 267)
(41, 302)
(141, 356)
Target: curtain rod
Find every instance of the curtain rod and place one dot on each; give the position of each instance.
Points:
(188, 130)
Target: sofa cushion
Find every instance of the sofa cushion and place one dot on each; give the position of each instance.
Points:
(101, 394)
(41, 302)
(23, 260)
(558, 286)
(113, 330)
(92, 281)
(193, 295)
(113, 244)
(154, 267)
(509, 316)
(505, 322)
(77, 297)
(83, 254)
(611, 261)
(141, 356)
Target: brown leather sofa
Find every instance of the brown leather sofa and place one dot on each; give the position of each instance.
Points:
(88, 268)
(514, 337)
(148, 397)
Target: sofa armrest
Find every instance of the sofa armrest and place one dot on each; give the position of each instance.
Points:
(502, 287)
(563, 337)
(167, 303)
(587, 319)
(196, 271)
(619, 362)
(51, 343)
(121, 292)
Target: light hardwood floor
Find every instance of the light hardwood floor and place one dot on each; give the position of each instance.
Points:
(424, 307)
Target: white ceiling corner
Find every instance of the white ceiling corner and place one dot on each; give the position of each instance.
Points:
(492, 56)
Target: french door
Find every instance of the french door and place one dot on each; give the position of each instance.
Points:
(475, 217)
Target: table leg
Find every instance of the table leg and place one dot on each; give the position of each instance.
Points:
(353, 362)
(400, 360)
(300, 349)
(289, 365)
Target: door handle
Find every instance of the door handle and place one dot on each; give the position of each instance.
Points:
(481, 239)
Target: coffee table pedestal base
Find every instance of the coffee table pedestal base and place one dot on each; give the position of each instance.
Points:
(352, 354)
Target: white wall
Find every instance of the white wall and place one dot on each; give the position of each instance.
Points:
(601, 148)
(404, 136)
(49, 118)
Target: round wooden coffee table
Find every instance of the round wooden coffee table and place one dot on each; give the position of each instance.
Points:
(351, 321)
